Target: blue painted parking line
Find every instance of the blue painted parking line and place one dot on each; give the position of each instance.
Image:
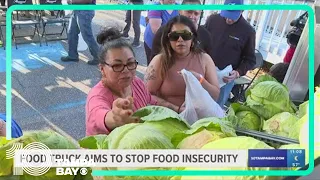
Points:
(32, 56)
(67, 105)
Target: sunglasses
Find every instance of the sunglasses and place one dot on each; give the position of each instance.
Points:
(185, 35)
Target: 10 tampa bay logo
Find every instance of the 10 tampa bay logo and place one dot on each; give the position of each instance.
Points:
(42, 155)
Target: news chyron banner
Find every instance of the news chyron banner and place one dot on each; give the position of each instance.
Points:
(276, 158)
(36, 159)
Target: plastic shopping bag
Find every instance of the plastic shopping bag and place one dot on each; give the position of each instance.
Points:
(66, 12)
(198, 102)
(223, 73)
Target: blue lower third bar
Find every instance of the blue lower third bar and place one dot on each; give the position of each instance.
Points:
(267, 158)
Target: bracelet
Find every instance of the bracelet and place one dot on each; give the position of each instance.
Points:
(201, 79)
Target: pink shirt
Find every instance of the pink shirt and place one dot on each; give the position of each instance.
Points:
(99, 103)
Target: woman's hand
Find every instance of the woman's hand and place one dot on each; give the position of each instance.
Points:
(122, 110)
(197, 75)
(182, 108)
(232, 76)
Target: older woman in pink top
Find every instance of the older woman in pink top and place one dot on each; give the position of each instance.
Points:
(120, 93)
(179, 51)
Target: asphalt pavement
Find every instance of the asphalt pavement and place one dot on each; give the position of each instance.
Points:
(48, 93)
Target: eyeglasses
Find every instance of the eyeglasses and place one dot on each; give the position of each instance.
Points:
(185, 35)
(120, 67)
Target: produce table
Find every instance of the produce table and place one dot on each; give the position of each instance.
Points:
(267, 138)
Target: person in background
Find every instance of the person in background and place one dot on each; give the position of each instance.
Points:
(81, 22)
(112, 101)
(15, 128)
(156, 18)
(203, 38)
(289, 54)
(294, 35)
(3, 7)
(279, 71)
(3, 3)
(136, 15)
(233, 43)
(180, 52)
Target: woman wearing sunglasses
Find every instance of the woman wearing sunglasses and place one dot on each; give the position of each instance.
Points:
(112, 101)
(180, 51)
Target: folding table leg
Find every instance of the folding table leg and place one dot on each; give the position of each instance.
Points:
(44, 34)
(14, 36)
(2, 38)
(63, 27)
(37, 29)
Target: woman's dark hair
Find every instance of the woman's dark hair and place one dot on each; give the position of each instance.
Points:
(279, 71)
(110, 38)
(167, 59)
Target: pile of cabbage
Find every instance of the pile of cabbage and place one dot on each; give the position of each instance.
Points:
(266, 100)
(268, 109)
(162, 128)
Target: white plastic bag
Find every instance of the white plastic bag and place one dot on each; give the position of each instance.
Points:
(82, 45)
(66, 12)
(223, 73)
(198, 102)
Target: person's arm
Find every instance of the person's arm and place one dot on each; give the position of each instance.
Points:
(164, 103)
(97, 108)
(2, 128)
(155, 24)
(153, 83)
(103, 117)
(248, 55)
(155, 20)
(210, 79)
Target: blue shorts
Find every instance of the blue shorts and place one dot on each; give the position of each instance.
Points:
(15, 128)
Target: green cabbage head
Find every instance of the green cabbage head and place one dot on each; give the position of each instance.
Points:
(52, 140)
(203, 131)
(280, 124)
(303, 109)
(163, 119)
(247, 118)
(269, 98)
(130, 136)
(237, 143)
